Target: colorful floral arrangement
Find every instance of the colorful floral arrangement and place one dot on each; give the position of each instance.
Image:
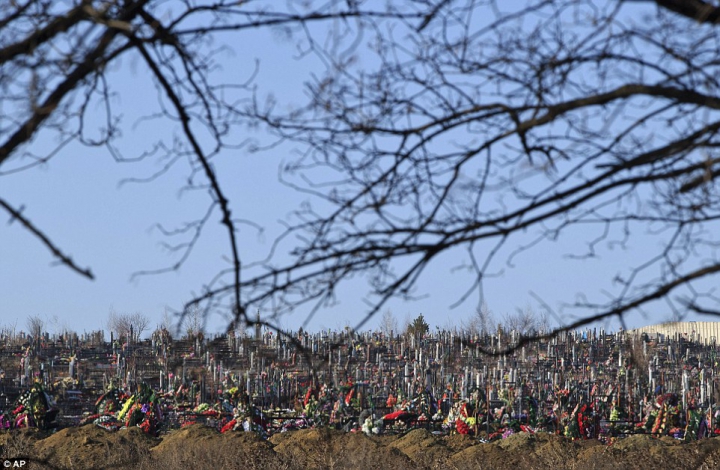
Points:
(462, 427)
(142, 409)
(109, 402)
(34, 408)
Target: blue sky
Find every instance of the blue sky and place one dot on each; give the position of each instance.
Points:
(78, 200)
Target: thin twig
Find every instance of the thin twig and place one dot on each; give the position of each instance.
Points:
(64, 259)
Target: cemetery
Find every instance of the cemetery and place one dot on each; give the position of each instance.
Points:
(589, 384)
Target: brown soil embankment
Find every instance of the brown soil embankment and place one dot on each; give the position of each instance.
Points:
(200, 447)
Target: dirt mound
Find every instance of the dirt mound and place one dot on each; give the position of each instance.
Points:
(530, 451)
(641, 452)
(93, 447)
(194, 435)
(200, 447)
(20, 442)
(643, 442)
(520, 451)
(423, 448)
(459, 442)
(326, 448)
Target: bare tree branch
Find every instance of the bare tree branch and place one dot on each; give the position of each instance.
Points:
(698, 10)
(63, 258)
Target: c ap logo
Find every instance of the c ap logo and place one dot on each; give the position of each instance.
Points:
(14, 463)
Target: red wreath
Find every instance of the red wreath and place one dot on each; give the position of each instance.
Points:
(462, 427)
